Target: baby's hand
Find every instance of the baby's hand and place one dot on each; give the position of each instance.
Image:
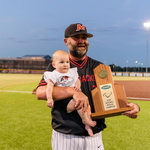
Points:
(77, 88)
(50, 103)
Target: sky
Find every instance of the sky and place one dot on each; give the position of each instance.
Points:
(37, 27)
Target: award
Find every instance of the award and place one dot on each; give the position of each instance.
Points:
(109, 99)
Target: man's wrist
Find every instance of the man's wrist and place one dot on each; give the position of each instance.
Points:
(138, 106)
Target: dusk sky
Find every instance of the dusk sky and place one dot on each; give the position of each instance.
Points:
(37, 27)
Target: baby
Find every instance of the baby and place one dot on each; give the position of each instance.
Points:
(64, 76)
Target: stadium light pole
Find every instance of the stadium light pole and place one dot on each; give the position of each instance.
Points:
(127, 66)
(136, 62)
(141, 66)
(147, 25)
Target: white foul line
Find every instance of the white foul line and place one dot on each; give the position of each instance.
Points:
(15, 91)
(138, 98)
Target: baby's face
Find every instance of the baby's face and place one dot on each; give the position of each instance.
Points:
(62, 63)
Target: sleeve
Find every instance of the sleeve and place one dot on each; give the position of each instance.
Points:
(50, 75)
(43, 82)
(95, 63)
(46, 76)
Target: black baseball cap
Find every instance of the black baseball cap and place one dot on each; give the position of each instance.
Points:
(75, 29)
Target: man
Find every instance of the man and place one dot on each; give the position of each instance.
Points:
(68, 127)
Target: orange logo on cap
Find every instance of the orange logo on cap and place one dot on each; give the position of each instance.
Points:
(80, 27)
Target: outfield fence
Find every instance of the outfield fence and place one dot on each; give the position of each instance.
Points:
(22, 71)
(30, 71)
(131, 74)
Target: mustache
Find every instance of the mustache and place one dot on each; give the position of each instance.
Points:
(81, 44)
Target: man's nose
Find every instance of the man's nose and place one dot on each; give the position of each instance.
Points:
(81, 40)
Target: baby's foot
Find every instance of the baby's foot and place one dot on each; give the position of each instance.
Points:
(89, 122)
(89, 130)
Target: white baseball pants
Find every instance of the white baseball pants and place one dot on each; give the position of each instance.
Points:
(71, 142)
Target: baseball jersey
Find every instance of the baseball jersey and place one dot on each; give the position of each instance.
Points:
(62, 79)
(71, 123)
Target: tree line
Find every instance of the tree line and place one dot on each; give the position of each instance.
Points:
(115, 68)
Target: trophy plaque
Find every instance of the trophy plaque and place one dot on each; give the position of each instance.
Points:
(109, 99)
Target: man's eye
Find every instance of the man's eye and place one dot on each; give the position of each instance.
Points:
(84, 38)
(76, 37)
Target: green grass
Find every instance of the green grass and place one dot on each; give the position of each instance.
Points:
(21, 82)
(123, 133)
(25, 122)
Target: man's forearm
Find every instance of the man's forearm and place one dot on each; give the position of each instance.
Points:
(59, 93)
(41, 93)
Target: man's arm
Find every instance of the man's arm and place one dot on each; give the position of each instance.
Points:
(41, 92)
(60, 93)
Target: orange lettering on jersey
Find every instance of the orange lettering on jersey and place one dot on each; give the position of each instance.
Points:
(86, 78)
(83, 79)
(80, 27)
(92, 77)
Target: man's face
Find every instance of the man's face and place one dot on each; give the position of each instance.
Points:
(78, 45)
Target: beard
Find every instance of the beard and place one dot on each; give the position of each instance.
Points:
(74, 51)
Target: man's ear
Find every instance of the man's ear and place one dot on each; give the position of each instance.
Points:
(66, 41)
(53, 64)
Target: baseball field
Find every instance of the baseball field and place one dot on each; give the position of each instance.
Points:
(25, 122)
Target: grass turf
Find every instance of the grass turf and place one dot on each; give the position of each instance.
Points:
(123, 133)
(25, 122)
(20, 82)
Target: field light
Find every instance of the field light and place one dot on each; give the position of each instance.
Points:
(147, 25)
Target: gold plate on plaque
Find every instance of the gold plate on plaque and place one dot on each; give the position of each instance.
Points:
(103, 74)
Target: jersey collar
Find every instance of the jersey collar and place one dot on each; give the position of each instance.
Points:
(75, 63)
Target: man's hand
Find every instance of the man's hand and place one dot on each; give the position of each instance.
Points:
(81, 101)
(132, 113)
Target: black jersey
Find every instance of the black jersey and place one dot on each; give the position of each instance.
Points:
(71, 123)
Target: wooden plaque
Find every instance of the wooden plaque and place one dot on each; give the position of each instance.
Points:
(109, 99)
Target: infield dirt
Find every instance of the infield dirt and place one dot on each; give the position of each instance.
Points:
(136, 89)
